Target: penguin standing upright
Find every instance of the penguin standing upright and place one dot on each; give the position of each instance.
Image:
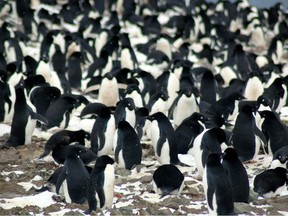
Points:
(74, 69)
(275, 131)
(23, 122)
(246, 137)
(167, 179)
(102, 132)
(209, 141)
(237, 175)
(163, 139)
(100, 191)
(185, 105)
(217, 187)
(128, 151)
(125, 111)
(108, 92)
(74, 176)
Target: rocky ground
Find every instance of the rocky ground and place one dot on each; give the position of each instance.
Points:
(21, 174)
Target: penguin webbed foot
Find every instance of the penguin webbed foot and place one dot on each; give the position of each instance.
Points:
(88, 211)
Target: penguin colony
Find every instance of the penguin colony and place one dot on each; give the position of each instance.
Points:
(190, 77)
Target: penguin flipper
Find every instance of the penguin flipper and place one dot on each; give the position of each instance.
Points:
(210, 192)
(61, 179)
(39, 117)
(160, 142)
(261, 135)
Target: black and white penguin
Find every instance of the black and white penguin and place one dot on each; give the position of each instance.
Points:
(246, 137)
(102, 132)
(23, 122)
(280, 157)
(125, 111)
(100, 190)
(7, 99)
(108, 91)
(237, 175)
(43, 96)
(74, 69)
(185, 104)
(158, 102)
(168, 179)
(227, 107)
(163, 139)
(270, 182)
(128, 152)
(275, 131)
(133, 91)
(209, 141)
(186, 132)
(277, 94)
(58, 113)
(74, 176)
(217, 187)
(65, 136)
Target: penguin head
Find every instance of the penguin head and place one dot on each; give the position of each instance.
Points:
(129, 103)
(163, 95)
(104, 112)
(264, 101)
(102, 161)
(156, 116)
(123, 124)
(230, 154)
(3, 76)
(74, 151)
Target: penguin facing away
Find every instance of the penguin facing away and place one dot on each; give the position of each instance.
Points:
(74, 176)
(128, 151)
(167, 179)
(100, 191)
(217, 187)
(237, 175)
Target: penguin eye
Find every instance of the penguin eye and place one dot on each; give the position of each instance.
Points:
(129, 104)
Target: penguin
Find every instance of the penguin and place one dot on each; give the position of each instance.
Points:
(209, 141)
(237, 175)
(163, 139)
(74, 69)
(271, 182)
(128, 152)
(169, 82)
(227, 107)
(108, 92)
(280, 157)
(246, 137)
(100, 189)
(7, 99)
(65, 136)
(275, 131)
(277, 94)
(23, 122)
(133, 92)
(125, 111)
(185, 104)
(74, 176)
(52, 180)
(141, 115)
(208, 94)
(103, 132)
(217, 188)
(158, 102)
(60, 150)
(188, 130)
(167, 179)
(254, 87)
(43, 96)
(58, 113)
